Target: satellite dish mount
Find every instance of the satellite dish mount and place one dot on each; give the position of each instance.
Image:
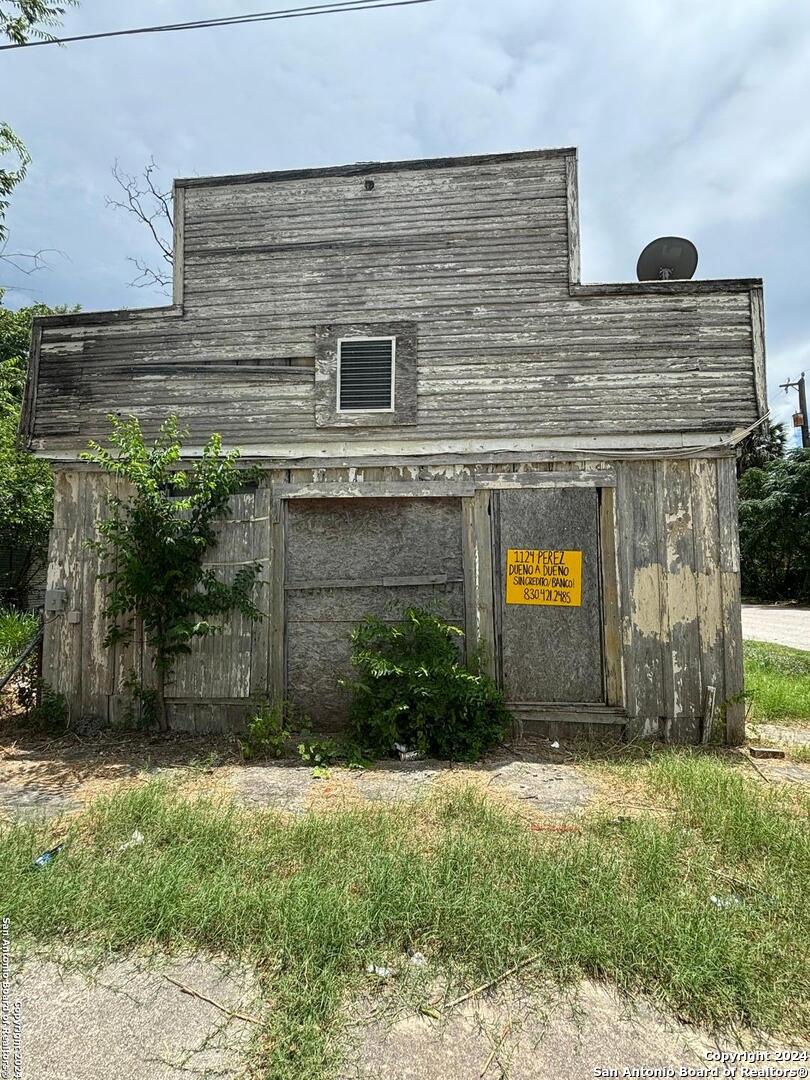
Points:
(669, 258)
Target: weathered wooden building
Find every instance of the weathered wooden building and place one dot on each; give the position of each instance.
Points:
(444, 415)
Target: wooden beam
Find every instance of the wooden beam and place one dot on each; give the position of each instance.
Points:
(277, 676)
(367, 168)
(485, 594)
(758, 341)
(565, 478)
(395, 489)
(178, 267)
(572, 210)
(667, 288)
(611, 612)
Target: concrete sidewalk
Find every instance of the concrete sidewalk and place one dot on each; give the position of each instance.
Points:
(128, 1020)
(779, 625)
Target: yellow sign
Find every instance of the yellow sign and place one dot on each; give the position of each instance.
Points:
(544, 577)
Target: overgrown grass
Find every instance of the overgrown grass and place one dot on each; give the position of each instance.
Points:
(16, 630)
(311, 900)
(777, 680)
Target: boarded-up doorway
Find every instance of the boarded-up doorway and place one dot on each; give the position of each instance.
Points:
(349, 557)
(549, 627)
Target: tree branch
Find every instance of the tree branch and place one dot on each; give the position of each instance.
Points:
(144, 198)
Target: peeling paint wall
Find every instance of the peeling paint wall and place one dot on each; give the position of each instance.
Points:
(677, 529)
(678, 598)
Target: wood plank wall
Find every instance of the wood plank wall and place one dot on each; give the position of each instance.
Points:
(678, 568)
(478, 255)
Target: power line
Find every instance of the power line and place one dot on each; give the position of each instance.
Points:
(335, 8)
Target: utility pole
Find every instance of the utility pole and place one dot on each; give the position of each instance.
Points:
(801, 387)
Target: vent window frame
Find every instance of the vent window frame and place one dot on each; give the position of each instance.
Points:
(391, 408)
(328, 340)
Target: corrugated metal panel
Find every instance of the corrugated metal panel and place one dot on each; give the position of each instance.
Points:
(366, 373)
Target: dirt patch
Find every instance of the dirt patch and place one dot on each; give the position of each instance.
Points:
(42, 776)
(45, 777)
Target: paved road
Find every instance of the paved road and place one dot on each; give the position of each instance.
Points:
(781, 625)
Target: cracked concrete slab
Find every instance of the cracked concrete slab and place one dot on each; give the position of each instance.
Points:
(126, 1019)
(550, 787)
(542, 1035)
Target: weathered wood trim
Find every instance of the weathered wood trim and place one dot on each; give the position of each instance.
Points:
(29, 405)
(104, 318)
(681, 615)
(469, 557)
(567, 712)
(733, 703)
(485, 588)
(612, 652)
(572, 210)
(674, 288)
(758, 339)
(569, 478)
(706, 526)
(277, 675)
(395, 489)
(327, 336)
(260, 645)
(453, 451)
(363, 168)
(367, 582)
(179, 247)
(639, 582)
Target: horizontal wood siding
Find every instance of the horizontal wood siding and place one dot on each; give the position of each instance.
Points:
(478, 256)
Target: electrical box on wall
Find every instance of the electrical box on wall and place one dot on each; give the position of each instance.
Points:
(55, 599)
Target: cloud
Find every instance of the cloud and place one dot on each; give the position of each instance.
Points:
(690, 118)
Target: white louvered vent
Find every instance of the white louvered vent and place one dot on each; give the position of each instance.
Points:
(366, 374)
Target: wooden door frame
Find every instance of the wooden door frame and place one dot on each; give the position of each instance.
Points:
(485, 522)
(480, 600)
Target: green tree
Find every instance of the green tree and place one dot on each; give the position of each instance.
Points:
(22, 20)
(775, 529)
(156, 539)
(765, 444)
(26, 484)
(12, 149)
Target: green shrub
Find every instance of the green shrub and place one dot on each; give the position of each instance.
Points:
(143, 711)
(318, 752)
(413, 689)
(267, 731)
(51, 714)
(16, 630)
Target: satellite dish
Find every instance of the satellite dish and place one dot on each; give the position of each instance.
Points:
(666, 259)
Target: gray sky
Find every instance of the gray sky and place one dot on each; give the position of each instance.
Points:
(692, 117)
